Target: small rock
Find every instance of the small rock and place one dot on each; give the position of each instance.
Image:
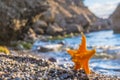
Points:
(64, 76)
(52, 59)
(17, 78)
(50, 47)
(54, 29)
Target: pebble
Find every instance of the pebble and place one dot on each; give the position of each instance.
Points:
(24, 67)
(52, 59)
(17, 78)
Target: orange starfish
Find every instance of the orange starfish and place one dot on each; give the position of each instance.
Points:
(81, 56)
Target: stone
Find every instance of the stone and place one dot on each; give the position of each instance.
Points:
(73, 28)
(43, 46)
(101, 24)
(54, 29)
(52, 59)
(48, 15)
(39, 31)
(82, 19)
(60, 20)
(50, 47)
(40, 24)
(31, 35)
(17, 78)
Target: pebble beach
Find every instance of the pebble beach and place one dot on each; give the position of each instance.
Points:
(24, 66)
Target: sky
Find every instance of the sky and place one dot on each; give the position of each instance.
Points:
(102, 8)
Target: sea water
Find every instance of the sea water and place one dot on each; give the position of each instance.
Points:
(101, 39)
(94, 39)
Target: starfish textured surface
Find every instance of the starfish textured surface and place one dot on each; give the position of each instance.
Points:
(82, 55)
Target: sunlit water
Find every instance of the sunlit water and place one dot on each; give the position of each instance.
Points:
(101, 38)
(95, 39)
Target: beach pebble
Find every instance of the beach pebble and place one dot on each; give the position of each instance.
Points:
(24, 67)
(52, 59)
(17, 78)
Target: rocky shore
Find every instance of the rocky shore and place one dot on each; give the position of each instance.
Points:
(27, 66)
(21, 20)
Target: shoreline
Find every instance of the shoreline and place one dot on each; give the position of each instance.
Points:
(22, 65)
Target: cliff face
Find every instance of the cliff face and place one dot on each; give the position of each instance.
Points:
(115, 17)
(69, 16)
(16, 17)
(27, 19)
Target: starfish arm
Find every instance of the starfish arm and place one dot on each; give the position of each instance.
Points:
(83, 42)
(71, 52)
(77, 66)
(86, 66)
(90, 53)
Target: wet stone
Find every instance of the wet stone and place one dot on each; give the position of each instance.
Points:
(52, 59)
(64, 76)
(96, 78)
(17, 78)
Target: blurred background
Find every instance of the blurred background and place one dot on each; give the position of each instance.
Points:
(49, 27)
(102, 9)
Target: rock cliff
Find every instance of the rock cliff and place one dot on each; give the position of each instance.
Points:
(26, 19)
(115, 17)
(67, 16)
(16, 17)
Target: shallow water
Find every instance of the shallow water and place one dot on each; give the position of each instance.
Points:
(102, 39)
(95, 39)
